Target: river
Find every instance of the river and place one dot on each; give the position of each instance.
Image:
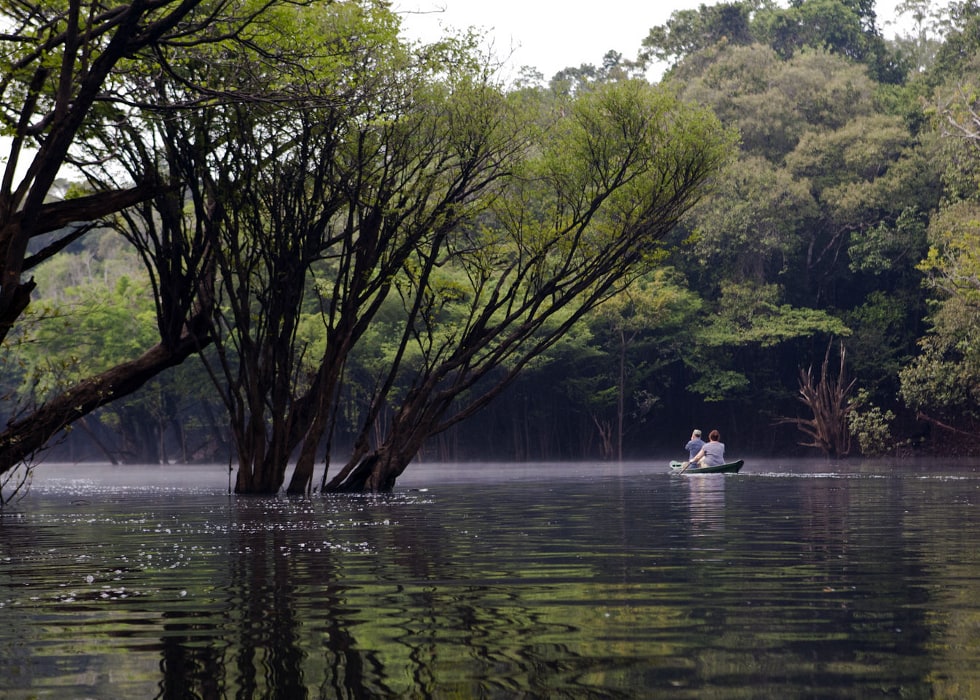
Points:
(792, 579)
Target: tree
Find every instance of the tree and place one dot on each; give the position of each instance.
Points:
(312, 207)
(775, 101)
(634, 330)
(749, 229)
(846, 28)
(828, 398)
(822, 208)
(61, 66)
(959, 26)
(569, 81)
(942, 383)
(612, 175)
(690, 31)
(860, 176)
(58, 65)
(826, 24)
(930, 24)
(734, 354)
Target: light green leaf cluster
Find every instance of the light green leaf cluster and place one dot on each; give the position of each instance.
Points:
(89, 329)
(953, 259)
(944, 379)
(775, 102)
(750, 314)
(720, 385)
(849, 167)
(871, 426)
(653, 303)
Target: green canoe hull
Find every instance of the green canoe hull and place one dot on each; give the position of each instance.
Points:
(729, 468)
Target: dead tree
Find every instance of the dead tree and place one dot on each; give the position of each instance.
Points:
(827, 399)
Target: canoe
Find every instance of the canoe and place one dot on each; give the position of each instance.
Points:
(728, 468)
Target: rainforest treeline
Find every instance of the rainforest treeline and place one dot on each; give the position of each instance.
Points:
(285, 237)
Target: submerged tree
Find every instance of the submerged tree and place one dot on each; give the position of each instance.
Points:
(68, 71)
(310, 207)
(379, 168)
(395, 166)
(612, 174)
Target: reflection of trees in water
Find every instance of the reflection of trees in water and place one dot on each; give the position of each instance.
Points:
(832, 583)
(388, 609)
(822, 574)
(256, 639)
(19, 543)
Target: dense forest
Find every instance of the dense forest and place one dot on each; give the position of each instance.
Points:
(324, 242)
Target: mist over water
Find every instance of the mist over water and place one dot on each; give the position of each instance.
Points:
(790, 579)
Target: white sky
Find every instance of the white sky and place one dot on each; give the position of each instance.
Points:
(551, 34)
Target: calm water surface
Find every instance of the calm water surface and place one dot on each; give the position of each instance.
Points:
(789, 580)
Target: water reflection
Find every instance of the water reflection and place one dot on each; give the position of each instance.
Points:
(585, 584)
(706, 501)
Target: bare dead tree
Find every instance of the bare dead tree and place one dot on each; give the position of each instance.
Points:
(827, 397)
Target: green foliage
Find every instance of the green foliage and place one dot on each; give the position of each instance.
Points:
(91, 329)
(633, 338)
(748, 317)
(848, 168)
(750, 314)
(410, 215)
(872, 427)
(945, 378)
(775, 102)
(880, 248)
(959, 25)
(720, 385)
(885, 328)
(844, 28)
(953, 260)
(570, 81)
(690, 31)
(749, 228)
(828, 24)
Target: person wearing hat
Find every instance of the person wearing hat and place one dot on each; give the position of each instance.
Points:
(694, 445)
(712, 454)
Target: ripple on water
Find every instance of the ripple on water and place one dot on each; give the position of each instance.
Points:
(769, 583)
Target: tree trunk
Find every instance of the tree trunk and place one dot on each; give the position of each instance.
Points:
(263, 453)
(109, 454)
(24, 437)
(263, 478)
(621, 396)
(375, 473)
(605, 431)
(324, 399)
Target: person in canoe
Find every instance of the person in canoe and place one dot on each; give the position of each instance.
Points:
(712, 454)
(694, 445)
